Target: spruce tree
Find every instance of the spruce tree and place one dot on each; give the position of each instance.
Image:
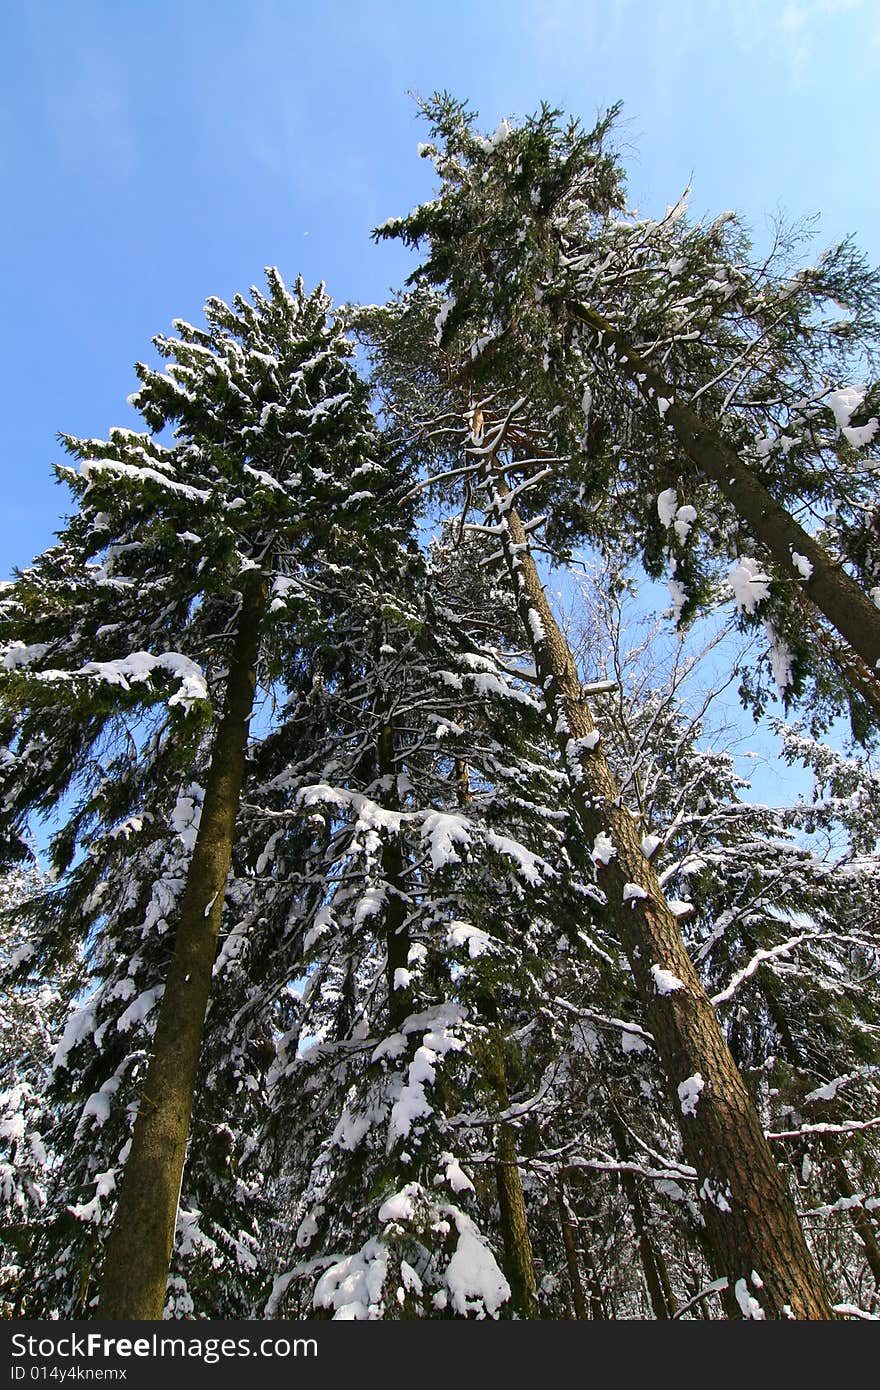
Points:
(208, 541)
(696, 401)
(743, 1195)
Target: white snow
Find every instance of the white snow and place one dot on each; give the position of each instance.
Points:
(781, 659)
(750, 1306)
(186, 816)
(139, 1008)
(667, 506)
(353, 1287)
(443, 832)
(603, 849)
(20, 654)
(679, 907)
(632, 892)
(442, 316)
(749, 583)
(860, 435)
(475, 1282)
(678, 594)
(538, 630)
(844, 402)
(477, 941)
(829, 1091)
(455, 1175)
(372, 903)
(412, 1104)
(710, 1192)
(392, 1046)
(138, 667)
(664, 980)
(528, 864)
(684, 520)
(99, 1102)
(689, 1093)
(803, 566)
(401, 1206)
(80, 1024)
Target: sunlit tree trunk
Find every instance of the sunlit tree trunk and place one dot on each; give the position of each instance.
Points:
(752, 1228)
(139, 1246)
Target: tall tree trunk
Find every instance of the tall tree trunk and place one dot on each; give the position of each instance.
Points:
(579, 1303)
(139, 1246)
(653, 1263)
(861, 1220)
(397, 937)
(830, 588)
(751, 1224)
(518, 1259)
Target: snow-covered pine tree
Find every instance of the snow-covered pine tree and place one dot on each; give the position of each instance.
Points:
(495, 446)
(698, 400)
(429, 922)
(124, 894)
(35, 1006)
(782, 934)
(206, 543)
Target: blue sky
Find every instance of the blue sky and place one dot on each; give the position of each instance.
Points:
(156, 153)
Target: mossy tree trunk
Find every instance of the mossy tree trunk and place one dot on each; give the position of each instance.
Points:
(518, 1257)
(139, 1246)
(751, 1224)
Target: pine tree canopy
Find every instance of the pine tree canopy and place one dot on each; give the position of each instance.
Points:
(414, 943)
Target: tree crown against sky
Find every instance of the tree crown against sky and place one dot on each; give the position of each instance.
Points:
(596, 327)
(374, 857)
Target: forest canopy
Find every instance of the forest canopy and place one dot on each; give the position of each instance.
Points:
(386, 927)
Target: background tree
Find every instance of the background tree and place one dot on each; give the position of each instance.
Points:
(694, 397)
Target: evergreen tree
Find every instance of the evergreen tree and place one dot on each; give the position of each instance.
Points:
(212, 539)
(723, 1138)
(692, 401)
(430, 915)
(35, 1006)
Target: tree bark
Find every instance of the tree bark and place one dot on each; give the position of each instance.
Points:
(397, 937)
(579, 1303)
(834, 592)
(518, 1258)
(751, 1224)
(518, 1261)
(141, 1239)
(653, 1263)
(861, 1220)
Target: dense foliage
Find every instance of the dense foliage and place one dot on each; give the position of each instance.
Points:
(428, 1085)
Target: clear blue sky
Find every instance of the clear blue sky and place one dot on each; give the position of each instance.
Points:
(154, 153)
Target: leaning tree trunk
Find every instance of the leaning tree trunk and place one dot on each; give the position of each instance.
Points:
(834, 592)
(752, 1228)
(139, 1246)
